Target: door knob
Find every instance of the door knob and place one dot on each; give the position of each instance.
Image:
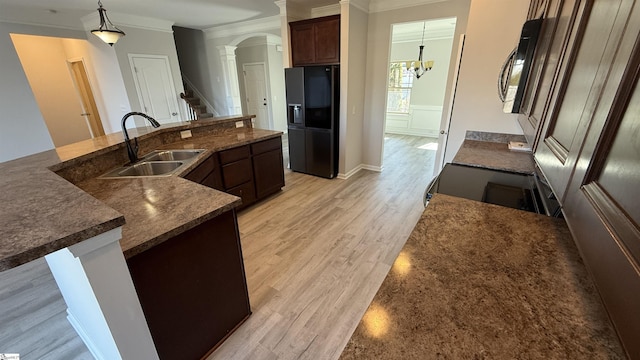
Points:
(174, 113)
(442, 132)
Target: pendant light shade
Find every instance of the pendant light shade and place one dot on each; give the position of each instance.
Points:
(107, 32)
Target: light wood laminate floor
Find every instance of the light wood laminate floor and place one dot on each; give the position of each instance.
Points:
(315, 255)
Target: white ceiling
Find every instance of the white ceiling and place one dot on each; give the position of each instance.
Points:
(433, 29)
(199, 14)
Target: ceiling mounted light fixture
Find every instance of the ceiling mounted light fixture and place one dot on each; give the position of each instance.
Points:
(107, 32)
(418, 68)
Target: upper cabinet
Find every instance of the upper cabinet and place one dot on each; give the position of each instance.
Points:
(315, 41)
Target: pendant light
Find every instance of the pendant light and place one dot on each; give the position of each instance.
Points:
(418, 68)
(107, 32)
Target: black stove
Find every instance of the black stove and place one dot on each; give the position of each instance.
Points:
(519, 191)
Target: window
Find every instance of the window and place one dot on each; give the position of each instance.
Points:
(400, 84)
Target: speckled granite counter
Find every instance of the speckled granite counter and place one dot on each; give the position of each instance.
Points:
(491, 151)
(479, 281)
(40, 212)
(157, 209)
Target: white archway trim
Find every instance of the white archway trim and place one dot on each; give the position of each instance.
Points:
(230, 75)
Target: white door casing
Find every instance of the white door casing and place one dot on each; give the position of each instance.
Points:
(154, 85)
(446, 118)
(255, 85)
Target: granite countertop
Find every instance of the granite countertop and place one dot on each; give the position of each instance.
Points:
(480, 281)
(491, 151)
(157, 209)
(40, 212)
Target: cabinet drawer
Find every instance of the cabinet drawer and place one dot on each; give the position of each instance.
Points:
(246, 192)
(264, 146)
(236, 173)
(235, 154)
(203, 170)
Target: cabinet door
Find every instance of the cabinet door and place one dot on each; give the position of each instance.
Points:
(327, 41)
(601, 205)
(246, 192)
(236, 173)
(302, 44)
(268, 172)
(575, 100)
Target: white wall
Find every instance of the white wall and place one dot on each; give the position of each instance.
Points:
(45, 64)
(278, 95)
(493, 31)
(378, 50)
(22, 128)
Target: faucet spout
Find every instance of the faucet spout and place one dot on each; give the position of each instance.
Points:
(132, 150)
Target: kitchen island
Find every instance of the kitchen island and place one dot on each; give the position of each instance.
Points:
(157, 211)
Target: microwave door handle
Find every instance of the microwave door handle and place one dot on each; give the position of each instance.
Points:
(503, 76)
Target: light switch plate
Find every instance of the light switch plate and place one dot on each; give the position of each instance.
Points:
(185, 134)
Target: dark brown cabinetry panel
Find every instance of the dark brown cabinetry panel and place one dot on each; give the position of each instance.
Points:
(588, 146)
(246, 192)
(265, 169)
(207, 173)
(315, 41)
(236, 173)
(192, 288)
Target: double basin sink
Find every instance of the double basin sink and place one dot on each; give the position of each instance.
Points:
(156, 163)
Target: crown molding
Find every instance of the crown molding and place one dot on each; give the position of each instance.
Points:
(385, 5)
(363, 5)
(92, 21)
(55, 26)
(416, 37)
(245, 27)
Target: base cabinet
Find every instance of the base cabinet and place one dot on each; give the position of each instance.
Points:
(251, 172)
(192, 288)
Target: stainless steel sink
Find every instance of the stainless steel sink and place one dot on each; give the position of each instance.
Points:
(146, 168)
(171, 155)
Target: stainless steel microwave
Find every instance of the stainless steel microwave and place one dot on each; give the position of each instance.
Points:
(515, 71)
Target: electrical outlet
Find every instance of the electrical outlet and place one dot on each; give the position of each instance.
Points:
(185, 134)
(239, 124)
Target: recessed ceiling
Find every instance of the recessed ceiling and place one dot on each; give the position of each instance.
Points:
(199, 14)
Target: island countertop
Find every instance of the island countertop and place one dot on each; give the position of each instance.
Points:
(40, 212)
(480, 281)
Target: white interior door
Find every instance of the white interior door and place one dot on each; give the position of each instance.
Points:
(255, 85)
(154, 84)
(446, 119)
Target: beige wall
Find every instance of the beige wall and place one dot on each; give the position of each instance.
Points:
(52, 87)
(22, 128)
(378, 48)
(493, 31)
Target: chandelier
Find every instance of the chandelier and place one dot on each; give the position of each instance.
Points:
(418, 68)
(107, 32)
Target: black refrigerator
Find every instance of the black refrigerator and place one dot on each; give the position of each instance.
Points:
(313, 95)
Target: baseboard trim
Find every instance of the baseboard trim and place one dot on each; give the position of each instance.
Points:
(358, 168)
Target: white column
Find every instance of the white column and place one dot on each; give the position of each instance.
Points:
(284, 33)
(230, 75)
(102, 304)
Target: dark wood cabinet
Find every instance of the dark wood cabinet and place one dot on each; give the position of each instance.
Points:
(207, 173)
(192, 288)
(583, 107)
(251, 172)
(267, 166)
(315, 41)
